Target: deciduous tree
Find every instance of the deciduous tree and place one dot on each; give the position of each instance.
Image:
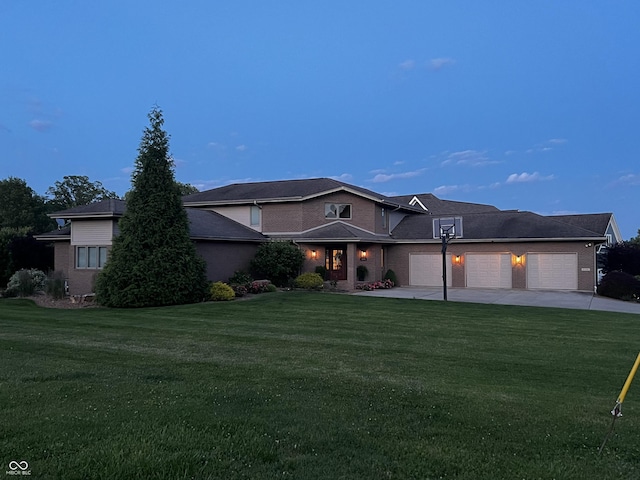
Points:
(21, 207)
(76, 190)
(153, 261)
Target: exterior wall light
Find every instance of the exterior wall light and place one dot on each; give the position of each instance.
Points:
(363, 255)
(314, 254)
(517, 260)
(457, 260)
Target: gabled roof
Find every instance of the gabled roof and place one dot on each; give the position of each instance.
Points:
(284, 191)
(337, 232)
(498, 226)
(436, 206)
(596, 222)
(111, 207)
(206, 225)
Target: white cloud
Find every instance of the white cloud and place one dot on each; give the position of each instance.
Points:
(629, 179)
(473, 158)
(558, 141)
(345, 177)
(436, 64)
(528, 177)
(241, 148)
(127, 170)
(382, 177)
(447, 189)
(407, 65)
(40, 125)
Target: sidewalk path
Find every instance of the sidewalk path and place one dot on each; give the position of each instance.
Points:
(534, 298)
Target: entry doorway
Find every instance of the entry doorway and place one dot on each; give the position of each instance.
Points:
(336, 263)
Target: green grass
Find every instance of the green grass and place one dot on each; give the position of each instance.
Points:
(317, 386)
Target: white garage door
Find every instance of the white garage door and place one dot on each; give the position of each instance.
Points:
(488, 270)
(425, 270)
(553, 271)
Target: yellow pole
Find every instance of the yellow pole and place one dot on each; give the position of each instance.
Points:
(627, 384)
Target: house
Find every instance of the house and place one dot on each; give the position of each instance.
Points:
(341, 226)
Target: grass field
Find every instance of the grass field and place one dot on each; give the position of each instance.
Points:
(317, 386)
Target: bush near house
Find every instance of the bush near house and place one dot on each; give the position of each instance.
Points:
(322, 271)
(220, 291)
(362, 272)
(620, 285)
(55, 287)
(391, 275)
(375, 285)
(309, 281)
(280, 261)
(26, 282)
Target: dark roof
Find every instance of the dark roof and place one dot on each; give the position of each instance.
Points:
(203, 225)
(63, 233)
(437, 206)
(111, 207)
(206, 225)
(283, 190)
(501, 225)
(338, 231)
(596, 222)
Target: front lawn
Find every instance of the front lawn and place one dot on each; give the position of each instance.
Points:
(317, 386)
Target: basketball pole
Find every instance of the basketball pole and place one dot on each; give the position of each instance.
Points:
(445, 233)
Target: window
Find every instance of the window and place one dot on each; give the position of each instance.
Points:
(91, 257)
(384, 218)
(255, 215)
(337, 210)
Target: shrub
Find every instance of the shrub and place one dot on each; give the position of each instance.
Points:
(221, 292)
(391, 275)
(278, 260)
(55, 285)
(376, 285)
(259, 286)
(620, 285)
(240, 290)
(309, 281)
(322, 271)
(272, 288)
(26, 282)
(361, 272)
(240, 278)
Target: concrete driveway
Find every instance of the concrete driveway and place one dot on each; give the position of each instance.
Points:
(534, 298)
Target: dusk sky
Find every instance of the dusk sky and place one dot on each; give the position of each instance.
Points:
(529, 105)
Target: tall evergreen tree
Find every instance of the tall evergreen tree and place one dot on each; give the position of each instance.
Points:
(153, 261)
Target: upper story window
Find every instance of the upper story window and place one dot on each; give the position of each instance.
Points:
(337, 210)
(255, 216)
(91, 257)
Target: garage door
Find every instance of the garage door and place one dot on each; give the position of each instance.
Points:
(488, 270)
(552, 271)
(425, 270)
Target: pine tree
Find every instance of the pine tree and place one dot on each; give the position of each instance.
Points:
(153, 261)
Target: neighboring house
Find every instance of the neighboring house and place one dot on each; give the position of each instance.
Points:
(341, 226)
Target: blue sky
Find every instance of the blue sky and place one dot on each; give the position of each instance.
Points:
(524, 105)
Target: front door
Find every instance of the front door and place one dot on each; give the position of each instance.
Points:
(336, 263)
